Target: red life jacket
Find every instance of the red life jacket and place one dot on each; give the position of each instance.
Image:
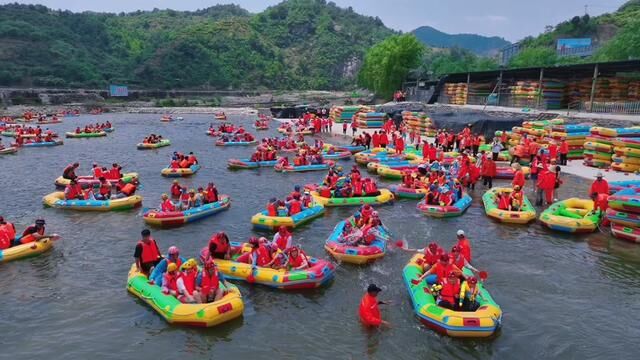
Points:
(211, 196)
(357, 188)
(465, 248)
(74, 191)
(295, 207)
(175, 164)
(184, 164)
(457, 261)
(170, 281)
(150, 252)
(431, 258)
(114, 173)
(128, 189)
(297, 261)
(272, 210)
(282, 241)
(442, 271)
(370, 187)
(167, 205)
(176, 190)
(449, 291)
(189, 280)
(105, 188)
(369, 311)
(263, 256)
(97, 172)
(209, 281)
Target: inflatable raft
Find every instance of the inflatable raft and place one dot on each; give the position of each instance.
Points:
(319, 273)
(90, 181)
(85, 135)
(623, 218)
(8, 150)
(56, 200)
(525, 216)
(173, 311)
(483, 322)
(303, 168)
(357, 254)
(180, 172)
(43, 143)
(403, 192)
(507, 173)
(627, 200)
(384, 197)
(338, 155)
(626, 233)
(571, 215)
(264, 222)
(353, 149)
(159, 144)
(248, 164)
(235, 143)
(177, 218)
(24, 251)
(457, 209)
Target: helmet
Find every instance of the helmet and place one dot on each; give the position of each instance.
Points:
(473, 280)
(172, 267)
(433, 246)
(173, 250)
(375, 213)
(189, 264)
(455, 248)
(209, 264)
(460, 232)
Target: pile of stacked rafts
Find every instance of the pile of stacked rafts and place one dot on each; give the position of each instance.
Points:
(598, 147)
(370, 120)
(457, 93)
(574, 134)
(341, 114)
(525, 93)
(419, 123)
(624, 212)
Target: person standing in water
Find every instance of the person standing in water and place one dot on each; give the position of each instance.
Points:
(369, 308)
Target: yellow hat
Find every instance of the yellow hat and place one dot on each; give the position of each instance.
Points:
(189, 264)
(172, 267)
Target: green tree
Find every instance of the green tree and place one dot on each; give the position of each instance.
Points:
(534, 57)
(388, 63)
(624, 46)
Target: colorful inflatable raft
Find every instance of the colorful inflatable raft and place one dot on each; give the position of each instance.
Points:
(627, 200)
(357, 254)
(56, 200)
(8, 150)
(457, 209)
(626, 233)
(264, 222)
(303, 168)
(384, 197)
(235, 143)
(248, 164)
(173, 311)
(571, 215)
(43, 143)
(177, 218)
(319, 273)
(26, 250)
(180, 172)
(490, 201)
(623, 218)
(159, 144)
(403, 192)
(85, 135)
(483, 322)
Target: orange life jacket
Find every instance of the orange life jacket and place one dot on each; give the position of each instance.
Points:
(209, 281)
(128, 189)
(170, 281)
(449, 291)
(271, 209)
(150, 252)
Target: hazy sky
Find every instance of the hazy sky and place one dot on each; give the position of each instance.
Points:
(511, 19)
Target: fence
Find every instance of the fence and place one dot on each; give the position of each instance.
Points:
(615, 107)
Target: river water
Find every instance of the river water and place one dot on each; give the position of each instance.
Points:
(563, 296)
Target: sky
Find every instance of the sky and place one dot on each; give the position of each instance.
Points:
(510, 19)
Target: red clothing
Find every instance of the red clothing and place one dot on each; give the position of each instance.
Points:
(489, 168)
(450, 291)
(168, 206)
(599, 187)
(150, 252)
(465, 248)
(518, 179)
(564, 148)
(375, 139)
(601, 203)
(369, 311)
(384, 140)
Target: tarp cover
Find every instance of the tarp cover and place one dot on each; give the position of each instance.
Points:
(482, 123)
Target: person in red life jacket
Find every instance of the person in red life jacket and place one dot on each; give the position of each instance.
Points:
(600, 203)
(166, 205)
(211, 193)
(128, 189)
(186, 283)
(464, 244)
(553, 151)
(564, 151)
(370, 187)
(96, 171)
(540, 183)
(191, 159)
(354, 128)
(469, 293)
(176, 189)
(48, 138)
(208, 283)
(518, 176)
(259, 255)
(73, 191)
(296, 191)
(307, 200)
(219, 246)
(173, 256)
(70, 171)
(369, 310)
(169, 282)
(272, 207)
(474, 175)
(384, 140)
(296, 259)
(78, 131)
(104, 192)
(283, 238)
(600, 185)
(399, 144)
(533, 149)
(438, 272)
(344, 128)
(431, 255)
(450, 293)
(375, 139)
(175, 164)
(446, 197)
(7, 234)
(516, 199)
(147, 253)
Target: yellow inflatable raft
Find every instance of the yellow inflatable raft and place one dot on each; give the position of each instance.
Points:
(56, 200)
(173, 311)
(26, 250)
(490, 200)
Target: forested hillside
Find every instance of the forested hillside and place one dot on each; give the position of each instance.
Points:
(301, 44)
(478, 44)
